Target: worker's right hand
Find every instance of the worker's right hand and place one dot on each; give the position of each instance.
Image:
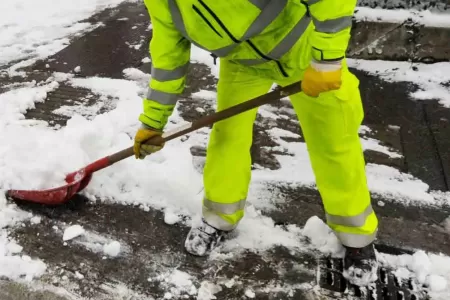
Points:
(145, 133)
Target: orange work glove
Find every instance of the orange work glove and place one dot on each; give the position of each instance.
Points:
(321, 77)
(143, 134)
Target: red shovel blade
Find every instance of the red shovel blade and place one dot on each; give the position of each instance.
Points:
(76, 181)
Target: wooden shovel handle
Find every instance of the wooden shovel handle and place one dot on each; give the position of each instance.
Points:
(213, 118)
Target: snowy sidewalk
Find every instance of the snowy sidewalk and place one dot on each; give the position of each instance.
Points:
(135, 215)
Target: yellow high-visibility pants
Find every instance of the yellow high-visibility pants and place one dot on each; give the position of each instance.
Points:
(330, 125)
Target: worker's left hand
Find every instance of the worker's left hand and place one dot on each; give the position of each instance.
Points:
(141, 149)
(321, 77)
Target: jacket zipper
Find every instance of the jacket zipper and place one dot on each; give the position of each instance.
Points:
(205, 19)
(238, 41)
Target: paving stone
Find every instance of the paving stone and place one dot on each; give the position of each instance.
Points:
(422, 157)
(399, 41)
(438, 118)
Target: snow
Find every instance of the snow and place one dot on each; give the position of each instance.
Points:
(425, 17)
(15, 266)
(34, 30)
(112, 249)
(322, 237)
(175, 185)
(35, 220)
(249, 294)
(72, 232)
(429, 77)
(428, 269)
(207, 291)
(171, 217)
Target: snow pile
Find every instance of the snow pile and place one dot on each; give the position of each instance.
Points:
(36, 29)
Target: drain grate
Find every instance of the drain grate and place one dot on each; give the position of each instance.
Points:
(387, 287)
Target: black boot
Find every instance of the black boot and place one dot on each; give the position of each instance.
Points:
(203, 239)
(360, 265)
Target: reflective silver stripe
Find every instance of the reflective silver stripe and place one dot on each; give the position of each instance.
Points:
(162, 97)
(334, 25)
(291, 38)
(216, 221)
(225, 50)
(270, 13)
(166, 75)
(353, 221)
(260, 3)
(176, 17)
(284, 45)
(356, 240)
(224, 208)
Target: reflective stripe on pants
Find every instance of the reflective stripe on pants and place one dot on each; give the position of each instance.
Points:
(330, 126)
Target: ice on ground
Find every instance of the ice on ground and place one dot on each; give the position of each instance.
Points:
(112, 249)
(73, 232)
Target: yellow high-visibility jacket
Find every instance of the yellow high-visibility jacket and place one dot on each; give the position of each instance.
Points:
(277, 37)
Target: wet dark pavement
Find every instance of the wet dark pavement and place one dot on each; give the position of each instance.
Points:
(419, 130)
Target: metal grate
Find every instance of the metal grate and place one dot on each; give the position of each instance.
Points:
(387, 287)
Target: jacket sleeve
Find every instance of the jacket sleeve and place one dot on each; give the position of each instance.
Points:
(170, 54)
(333, 21)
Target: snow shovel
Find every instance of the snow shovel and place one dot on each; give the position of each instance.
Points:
(78, 180)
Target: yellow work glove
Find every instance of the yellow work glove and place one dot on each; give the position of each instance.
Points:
(321, 77)
(143, 134)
